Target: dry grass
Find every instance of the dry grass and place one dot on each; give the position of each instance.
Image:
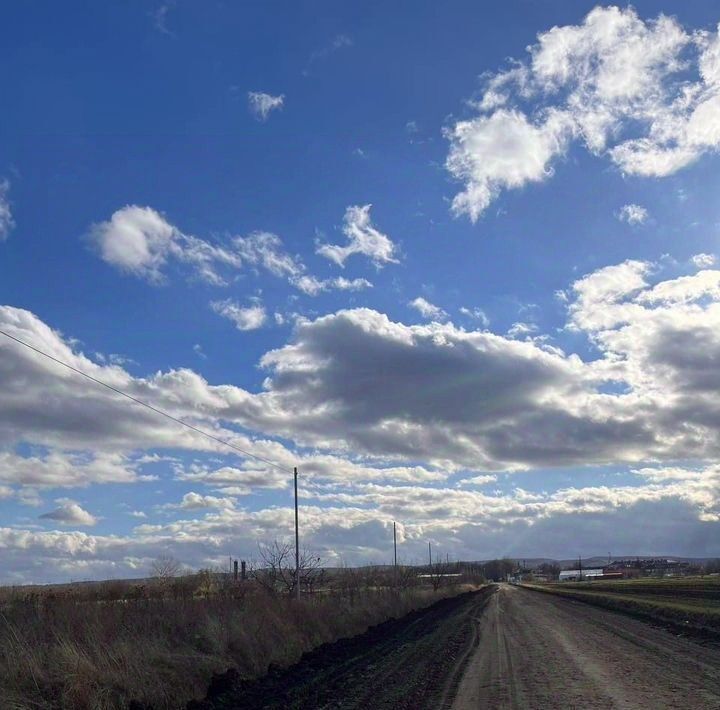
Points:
(102, 647)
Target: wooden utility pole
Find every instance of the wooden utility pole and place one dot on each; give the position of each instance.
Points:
(297, 540)
(394, 548)
(430, 554)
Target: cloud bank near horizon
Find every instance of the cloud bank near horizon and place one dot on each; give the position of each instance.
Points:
(423, 442)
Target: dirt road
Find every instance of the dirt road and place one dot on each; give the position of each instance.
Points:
(504, 647)
(534, 650)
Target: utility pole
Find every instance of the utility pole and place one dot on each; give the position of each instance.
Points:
(394, 548)
(430, 554)
(297, 540)
(580, 561)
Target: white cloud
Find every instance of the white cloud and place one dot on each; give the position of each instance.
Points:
(501, 151)
(160, 15)
(196, 501)
(703, 261)
(464, 403)
(520, 329)
(266, 249)
(535, 404)
(450, 398)
(197, 349)
(262, 105)
(244, 317)
(483, 480)
(70, 513)
(666, 509)
(338, 42)
(477, 314)
(140, 241)
(7, 223)
(137, 514)
(312, 286)
(363, 238)
(135, 239)
(427, 309)
(643, 93)
(633, 214)
(61, 469)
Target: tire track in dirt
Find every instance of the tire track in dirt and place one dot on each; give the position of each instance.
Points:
(541, 651)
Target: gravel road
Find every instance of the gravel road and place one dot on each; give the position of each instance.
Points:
(533, 650)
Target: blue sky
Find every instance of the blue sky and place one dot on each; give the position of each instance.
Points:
(457, 265)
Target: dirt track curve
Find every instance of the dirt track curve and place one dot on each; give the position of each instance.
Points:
(501, 648)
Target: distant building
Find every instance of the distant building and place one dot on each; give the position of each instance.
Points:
(652, 567)
(576, 575)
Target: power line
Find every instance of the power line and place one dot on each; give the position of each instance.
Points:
(145, 404)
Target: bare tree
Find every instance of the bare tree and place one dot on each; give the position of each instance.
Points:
(165, 568)
(276, 568)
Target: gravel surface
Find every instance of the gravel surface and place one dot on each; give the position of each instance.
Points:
(534, 650)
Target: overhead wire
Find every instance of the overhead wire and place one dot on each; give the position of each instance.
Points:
(146, 405)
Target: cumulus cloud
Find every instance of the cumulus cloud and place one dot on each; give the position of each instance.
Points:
(671, 510)
(70, 513)
(140, 241)
(643, 93)
(427, 309)
(633, 214)
(244, 317)
(196, 501)
(45, 405)
(414, 440)
(500, 151)
(7, 223)
(135, 239)
(482, 400)
(363, 238)
(262, 104)
(61, 469)
(445, 396)
(703, 261)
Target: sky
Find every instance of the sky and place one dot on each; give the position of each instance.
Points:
(457, 263)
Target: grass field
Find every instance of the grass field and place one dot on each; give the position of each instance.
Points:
(690, 604)
(103, 645)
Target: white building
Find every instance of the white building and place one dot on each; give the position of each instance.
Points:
(574, 575)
